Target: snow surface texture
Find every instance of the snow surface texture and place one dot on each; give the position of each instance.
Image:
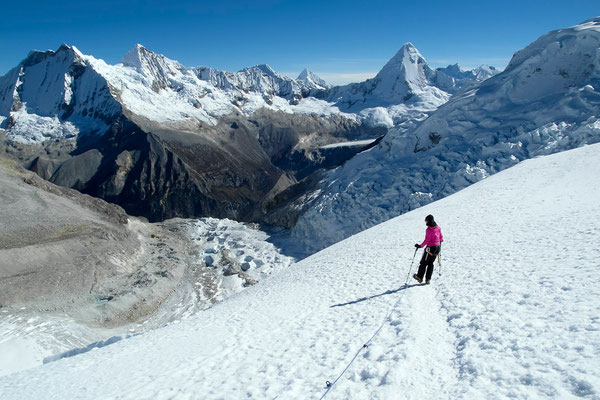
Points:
(547, 100)
(514, 313)
(55, 95)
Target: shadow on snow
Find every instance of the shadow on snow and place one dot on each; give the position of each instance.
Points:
(388, 292)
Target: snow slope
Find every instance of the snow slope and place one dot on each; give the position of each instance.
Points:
(546, 100)
(514, 313)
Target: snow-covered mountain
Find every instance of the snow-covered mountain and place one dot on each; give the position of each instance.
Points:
(61, 94)
(66, 93)
(406, 77)
(53, 95)
(148, 133)
(546, 100)
(405, 88)
(312, 80)
(501, 321)
(112, 130)
(453, 78)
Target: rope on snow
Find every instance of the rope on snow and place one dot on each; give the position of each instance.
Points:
(329, 385)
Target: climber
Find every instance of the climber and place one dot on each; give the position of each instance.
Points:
(433, 242)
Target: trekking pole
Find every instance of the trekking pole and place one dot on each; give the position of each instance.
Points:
(440, 264)
(411, 265)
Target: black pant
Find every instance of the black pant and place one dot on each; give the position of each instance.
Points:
(427, 260)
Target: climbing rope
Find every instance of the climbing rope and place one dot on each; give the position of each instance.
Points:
(329, 385)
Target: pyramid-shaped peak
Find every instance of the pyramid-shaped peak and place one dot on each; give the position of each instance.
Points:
(265, 68)
(407, 53)
(151, 64)
(406, 59)
(312, 79)
(139, 57)
(138, 51)
(133, 58)
(408, 46)
(306, 73)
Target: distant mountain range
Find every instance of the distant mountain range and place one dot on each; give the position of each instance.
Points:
(67, 93)
(546, 100)
(165, 140)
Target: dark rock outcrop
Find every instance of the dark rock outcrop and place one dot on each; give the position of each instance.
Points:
(231, 170)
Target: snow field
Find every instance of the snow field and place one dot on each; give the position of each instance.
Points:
(538, 260)
(514, 314)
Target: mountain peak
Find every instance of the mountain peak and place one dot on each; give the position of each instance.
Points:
(407, 49)
(311, 79)
(150, 63)
(264, 68)
(140, 54)
(70, 49)
(406, 56)
(408, 46)
(63, 47)
(134, 57)
(405, 73)
(306, 73)
(37, 56)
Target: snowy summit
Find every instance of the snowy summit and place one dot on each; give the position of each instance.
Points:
(312, 80)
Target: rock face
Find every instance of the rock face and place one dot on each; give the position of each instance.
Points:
(165, 162)
(228, 171)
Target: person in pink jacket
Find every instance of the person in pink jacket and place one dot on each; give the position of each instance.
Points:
(433, 242)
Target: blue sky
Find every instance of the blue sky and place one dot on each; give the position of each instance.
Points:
(340, 40)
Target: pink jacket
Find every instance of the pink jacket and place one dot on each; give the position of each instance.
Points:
(433, 236)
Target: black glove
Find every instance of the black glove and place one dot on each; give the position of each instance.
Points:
(418, 246)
